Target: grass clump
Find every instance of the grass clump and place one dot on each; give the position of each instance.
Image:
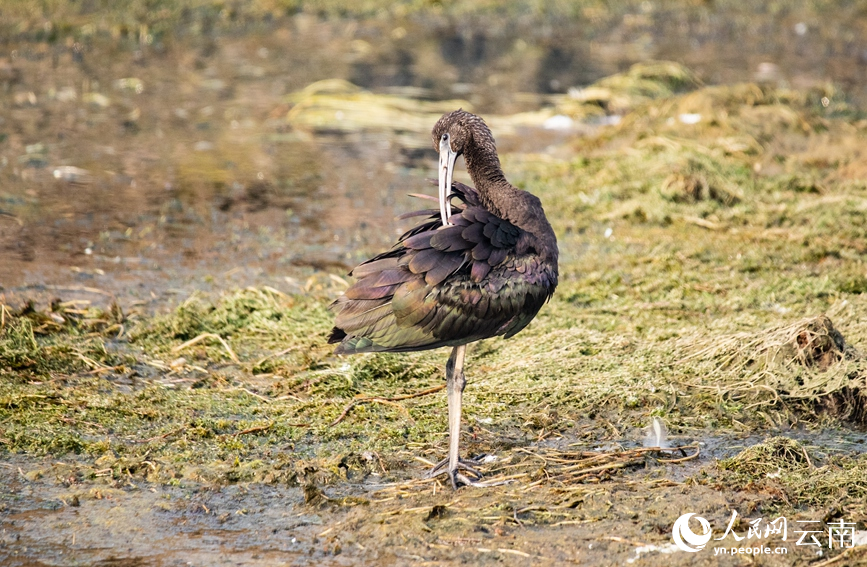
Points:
(252, 320)
(698, 178)
(18, 347)
(804, 365)
(623, 92)
(65, 338)
(783, 464)
(770, 456)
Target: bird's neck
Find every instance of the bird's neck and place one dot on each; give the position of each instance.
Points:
(500, 197)
(483, 165)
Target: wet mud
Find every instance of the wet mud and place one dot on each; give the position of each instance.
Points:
(50, 519)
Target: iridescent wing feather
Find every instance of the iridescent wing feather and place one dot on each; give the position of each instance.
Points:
(444, 285)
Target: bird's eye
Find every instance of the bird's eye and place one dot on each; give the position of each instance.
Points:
(445, 137)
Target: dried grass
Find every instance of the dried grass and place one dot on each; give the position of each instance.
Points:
(528, 468)
(804, 361)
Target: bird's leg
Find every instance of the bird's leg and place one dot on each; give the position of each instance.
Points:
(455, 387)
(455, 383)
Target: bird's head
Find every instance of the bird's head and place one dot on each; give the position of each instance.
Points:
(459, 130)
(454, 134)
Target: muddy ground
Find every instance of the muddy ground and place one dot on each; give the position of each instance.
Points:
(623, 520)
(51, 519)
(184, 189)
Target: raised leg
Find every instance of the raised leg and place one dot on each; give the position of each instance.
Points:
(455, 383)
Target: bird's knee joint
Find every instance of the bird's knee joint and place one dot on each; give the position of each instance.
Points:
(460, 382)
(456, 381)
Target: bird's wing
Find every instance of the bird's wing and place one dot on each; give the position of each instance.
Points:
(442, 285)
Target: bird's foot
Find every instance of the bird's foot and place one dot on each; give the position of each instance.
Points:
(458, 478)
(463, 464)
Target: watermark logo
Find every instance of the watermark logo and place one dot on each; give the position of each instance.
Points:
(685, 538)
(760, 532)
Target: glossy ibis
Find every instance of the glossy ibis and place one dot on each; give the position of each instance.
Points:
(480, 266)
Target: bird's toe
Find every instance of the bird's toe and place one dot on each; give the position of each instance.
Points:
(463, 464)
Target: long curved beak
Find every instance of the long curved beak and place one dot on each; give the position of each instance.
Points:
(447, 169)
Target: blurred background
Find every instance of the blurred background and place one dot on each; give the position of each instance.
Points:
(156, 145)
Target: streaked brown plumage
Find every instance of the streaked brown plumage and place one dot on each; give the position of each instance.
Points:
(485, 273)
